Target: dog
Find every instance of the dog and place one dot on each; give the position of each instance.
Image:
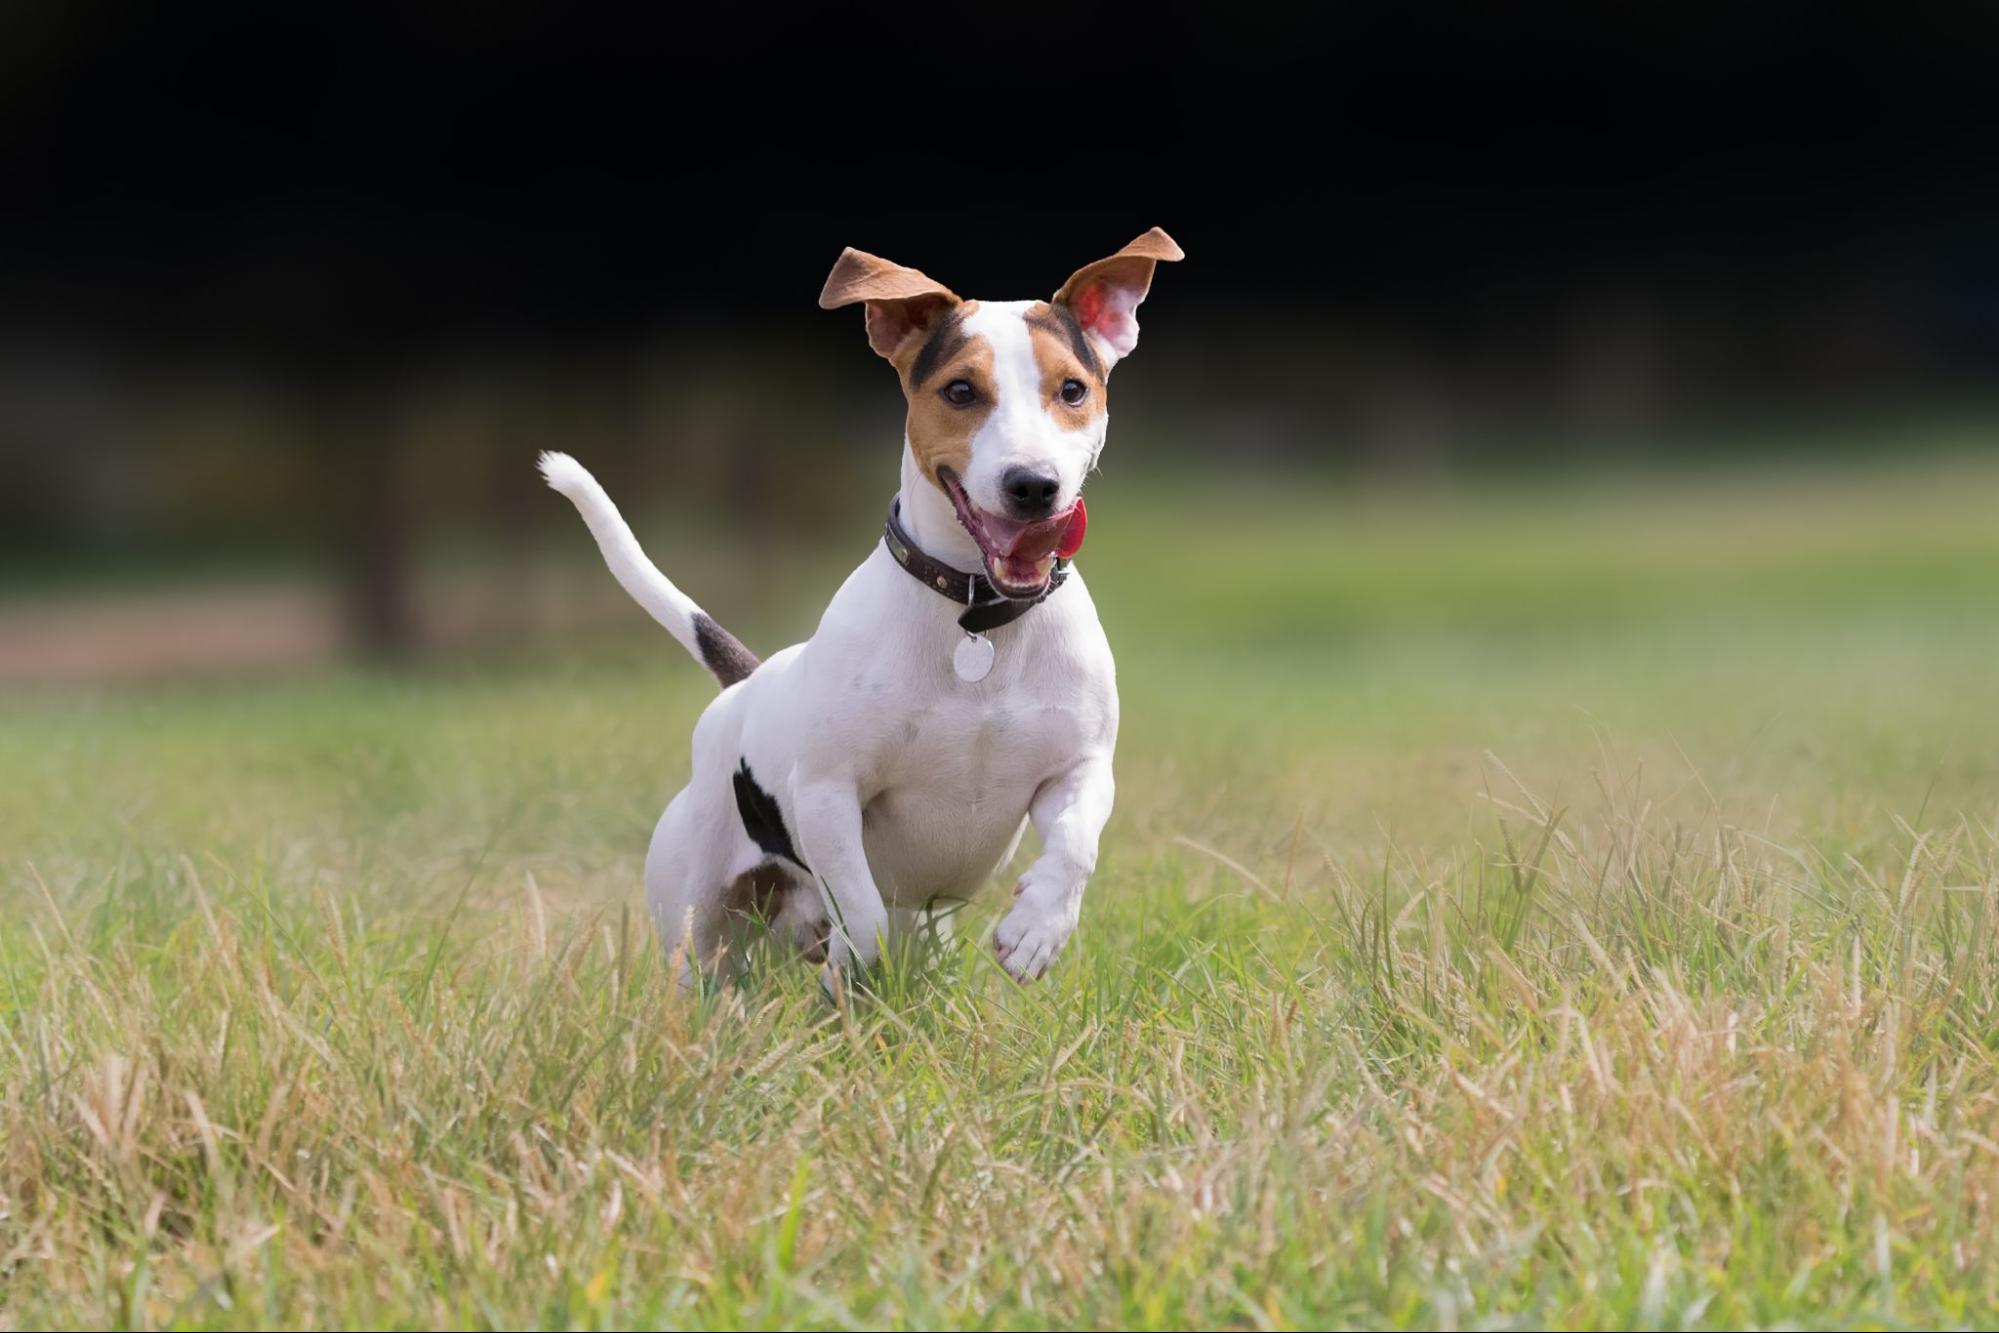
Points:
(959, 684)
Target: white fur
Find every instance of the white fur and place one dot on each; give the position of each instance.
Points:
(899, 783)
(636, 574)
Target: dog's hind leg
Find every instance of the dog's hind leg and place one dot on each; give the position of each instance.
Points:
(687, 888)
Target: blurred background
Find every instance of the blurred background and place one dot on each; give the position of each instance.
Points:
(289, 303)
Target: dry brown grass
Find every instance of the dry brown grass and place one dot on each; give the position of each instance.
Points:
(329, 1004)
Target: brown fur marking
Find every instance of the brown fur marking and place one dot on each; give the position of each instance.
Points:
(940, 435)
(755, 892)
(901, 302)
(1059, 321)
(1055, 357)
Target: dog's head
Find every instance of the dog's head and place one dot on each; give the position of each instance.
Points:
(1008, 400)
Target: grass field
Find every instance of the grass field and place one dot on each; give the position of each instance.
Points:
(1539, 905)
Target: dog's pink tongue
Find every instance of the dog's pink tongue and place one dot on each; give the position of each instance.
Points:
(1072, 536)
(1033, 542)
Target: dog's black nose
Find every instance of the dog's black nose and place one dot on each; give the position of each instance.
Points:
(1030, 494)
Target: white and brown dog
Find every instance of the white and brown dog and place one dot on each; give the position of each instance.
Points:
(958, 684)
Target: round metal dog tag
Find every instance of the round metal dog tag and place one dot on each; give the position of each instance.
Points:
(972, 659)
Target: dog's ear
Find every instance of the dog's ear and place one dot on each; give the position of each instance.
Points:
(1104, 296)
(900, 301)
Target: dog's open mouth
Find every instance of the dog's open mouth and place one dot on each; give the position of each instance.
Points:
(1020, 555)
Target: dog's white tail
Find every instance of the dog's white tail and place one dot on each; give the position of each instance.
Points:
(717, 649)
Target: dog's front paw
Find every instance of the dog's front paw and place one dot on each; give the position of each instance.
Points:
(1031, 936)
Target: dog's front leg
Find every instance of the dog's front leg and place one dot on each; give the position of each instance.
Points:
(1069, 813)
(829, 831)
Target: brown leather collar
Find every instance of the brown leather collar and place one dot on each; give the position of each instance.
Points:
(987, 607)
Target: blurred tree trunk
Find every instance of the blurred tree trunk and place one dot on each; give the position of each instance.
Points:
(372, 534)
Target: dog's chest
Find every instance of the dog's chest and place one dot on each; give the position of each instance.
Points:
(1048, 699)
(952, 795)
(959, 768)
(981, 744)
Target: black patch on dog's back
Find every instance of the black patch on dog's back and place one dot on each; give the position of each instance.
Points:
(762, 819)
(722, 652)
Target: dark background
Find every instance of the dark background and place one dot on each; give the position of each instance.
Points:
(309, 288)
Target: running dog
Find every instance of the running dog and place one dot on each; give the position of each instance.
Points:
(958, 685)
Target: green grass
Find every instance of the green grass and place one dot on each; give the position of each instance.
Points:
(1524, 907)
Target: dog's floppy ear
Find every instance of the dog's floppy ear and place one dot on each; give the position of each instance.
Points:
(900, 301)
(1104, 296)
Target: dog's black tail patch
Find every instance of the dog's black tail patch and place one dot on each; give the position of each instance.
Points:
(762, 819)
(722, 652)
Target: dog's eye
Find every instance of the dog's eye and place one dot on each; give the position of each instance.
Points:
(960, 393)
(1074, 392)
